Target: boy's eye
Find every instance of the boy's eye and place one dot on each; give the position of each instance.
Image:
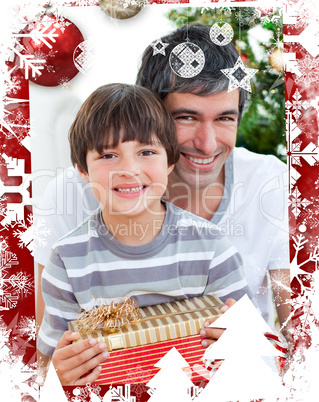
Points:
(147, 152)
(107, 156)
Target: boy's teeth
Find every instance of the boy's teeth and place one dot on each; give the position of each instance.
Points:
(201, 161)
(130, 190)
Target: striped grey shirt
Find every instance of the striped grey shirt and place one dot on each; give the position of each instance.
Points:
(188, 258)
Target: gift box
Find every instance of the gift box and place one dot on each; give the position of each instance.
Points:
(136, 347)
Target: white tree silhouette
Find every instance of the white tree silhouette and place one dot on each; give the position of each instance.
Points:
(171, 383)
(244, 375)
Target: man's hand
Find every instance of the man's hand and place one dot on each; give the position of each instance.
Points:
(211, 335)
(72, 361)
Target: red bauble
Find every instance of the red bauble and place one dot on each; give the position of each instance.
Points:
(54, 40)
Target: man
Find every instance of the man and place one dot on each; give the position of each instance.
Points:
(240, 191)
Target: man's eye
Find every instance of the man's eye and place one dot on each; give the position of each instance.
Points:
(226, 118)
(184, 118)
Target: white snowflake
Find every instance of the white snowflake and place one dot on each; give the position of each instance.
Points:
(309, 71)
(279, 281)
(299, 242)
(25, 234)
(65, 83)
(12, 286)
(296, 202)
(298, 105)
(27, 327)
(122, 394)
(62, 23)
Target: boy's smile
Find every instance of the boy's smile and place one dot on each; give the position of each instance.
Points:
(128, 179)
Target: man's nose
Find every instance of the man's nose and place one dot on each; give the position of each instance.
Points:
(205, 139)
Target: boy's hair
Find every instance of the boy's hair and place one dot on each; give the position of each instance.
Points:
(155, 72)
(121, 112)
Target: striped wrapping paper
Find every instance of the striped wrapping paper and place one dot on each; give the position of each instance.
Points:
(136, 348)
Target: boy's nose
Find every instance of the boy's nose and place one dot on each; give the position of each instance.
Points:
(129, 167)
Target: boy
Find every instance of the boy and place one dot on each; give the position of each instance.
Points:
(123, 142)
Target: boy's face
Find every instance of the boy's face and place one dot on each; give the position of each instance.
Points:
(128, 179)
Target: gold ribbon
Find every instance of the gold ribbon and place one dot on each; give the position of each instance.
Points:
(109, 318)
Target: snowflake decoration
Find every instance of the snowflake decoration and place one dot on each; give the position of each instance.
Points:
(309, 71)
(119, 394)
(38, 54)
(138, 375)
(27, 327)
(40, 232)
(20, 126)
(299, 242)
(62, 23)
(25, 235)
(239, 76)
(12, 286)
(81, 393)
(297, 203)
(13, 85)
(65, 83)
(279, 282)
(298, 105)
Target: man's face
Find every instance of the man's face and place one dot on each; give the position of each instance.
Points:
(206, 130)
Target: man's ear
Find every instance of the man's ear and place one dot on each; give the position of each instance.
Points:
(170, 169)
(84, 176)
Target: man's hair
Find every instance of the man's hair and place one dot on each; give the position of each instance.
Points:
(155, 72)
(121, 112)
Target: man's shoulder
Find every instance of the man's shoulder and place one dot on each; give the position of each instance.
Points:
(243, 155)
(250, 163)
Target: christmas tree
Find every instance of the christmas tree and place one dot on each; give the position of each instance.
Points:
(244, 375)
(259, 39)
(171, 383)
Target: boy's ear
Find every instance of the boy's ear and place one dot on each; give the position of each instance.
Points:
(170, 169)
(84, 176)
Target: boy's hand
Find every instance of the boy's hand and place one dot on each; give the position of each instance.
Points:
(212, 335)
(72, 361)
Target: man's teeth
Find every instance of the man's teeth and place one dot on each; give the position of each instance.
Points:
(130, 190)
(201, 161)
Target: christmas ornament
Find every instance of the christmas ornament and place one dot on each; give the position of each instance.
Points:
(187, 60)
(45, 50)
(83, 56)
(159, 47)
(121, 9)
(277, 61)
(221, 35)
(239, 76)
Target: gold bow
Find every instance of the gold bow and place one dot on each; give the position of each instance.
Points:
(108, 317)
